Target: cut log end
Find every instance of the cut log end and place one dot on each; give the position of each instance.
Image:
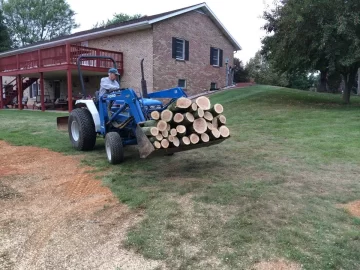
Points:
(210, 126)
(178, 118)
(194, 138)
(208, 116)
(217, 109)
(193, 107)
(165, 133)
(185, 141)
(205, 138)
(171, 138)
(215, 133)
(173, 132)
(155, 115)
(224, 131)
(159, 137)
(176, 142)
(166, 115)
(157, 145)
(222, 119)
(203, 103)
(188, 118)
(180, 104)
(168, 127)
(150, 131)
(165, 143)
(162, 125)
(200, 126)
(181, 130)
(199, 113)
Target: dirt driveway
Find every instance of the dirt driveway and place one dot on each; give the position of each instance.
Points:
(55, 215)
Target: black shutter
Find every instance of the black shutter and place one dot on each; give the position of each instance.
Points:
(211, 56)
(174, 48)
(31, 91)
(186, 50)
(221, 58)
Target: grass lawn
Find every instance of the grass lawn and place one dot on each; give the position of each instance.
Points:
(271, 191)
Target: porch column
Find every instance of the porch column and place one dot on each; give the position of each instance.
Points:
(1, 94)
(20, 91)
(42, 91)
(69, 86)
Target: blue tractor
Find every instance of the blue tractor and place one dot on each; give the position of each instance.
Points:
(117, 117)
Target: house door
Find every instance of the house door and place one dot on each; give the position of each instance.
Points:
(57, 89)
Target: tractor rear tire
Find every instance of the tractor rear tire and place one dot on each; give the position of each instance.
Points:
(114, 148)
(82, 130)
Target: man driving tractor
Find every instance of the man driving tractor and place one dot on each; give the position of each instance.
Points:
(109, 83)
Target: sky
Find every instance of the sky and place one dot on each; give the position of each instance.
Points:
(240, 17)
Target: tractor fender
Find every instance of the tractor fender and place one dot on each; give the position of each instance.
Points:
(90, 105)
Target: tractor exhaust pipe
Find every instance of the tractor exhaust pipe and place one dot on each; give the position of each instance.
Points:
(143, 81)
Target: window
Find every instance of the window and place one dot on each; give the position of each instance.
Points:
(182, 83)
(34, 90)
(213, 86)
(180, 49)
(216, 57)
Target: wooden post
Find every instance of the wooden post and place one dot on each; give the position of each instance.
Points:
(69, 85)
(1, 94)
(39, 59)
(42, 91)
(20, 91)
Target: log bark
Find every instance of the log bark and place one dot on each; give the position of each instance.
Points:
(157, 145)
(194, 138)
(199, 126)
(151, 123)
(165, 143)
(180, 104)
(188, 119)
(209, 126)
(173, 132)
(208, 116)
(216, 109)
(214, 134)
(168, 128)
(150, 131)
(203, 103)
(155, 115)
(181, 130)
(224, 131)
(185, 141)
(199, 113)
(205, 138)
(166, 115)
(161, 125)
(178, 118)
(176, 142)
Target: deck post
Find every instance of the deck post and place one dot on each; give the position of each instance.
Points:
(42, 91)
(1, 94)
(69, 86)
(20, 91)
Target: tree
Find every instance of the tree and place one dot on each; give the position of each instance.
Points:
(118, 18)
(30, 21)
(310, 35)
(240, 74)
(5, 41)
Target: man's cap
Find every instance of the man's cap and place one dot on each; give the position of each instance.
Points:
(114, 71)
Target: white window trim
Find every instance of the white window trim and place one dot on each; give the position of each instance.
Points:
(218, 58)
(184, 84)
(183, 54)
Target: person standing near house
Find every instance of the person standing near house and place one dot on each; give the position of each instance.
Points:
(109, 83)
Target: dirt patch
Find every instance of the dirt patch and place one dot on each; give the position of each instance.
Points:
(277, 265)
(353, 208)
(56, 215)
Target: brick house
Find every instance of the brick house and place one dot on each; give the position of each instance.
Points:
(188, 47)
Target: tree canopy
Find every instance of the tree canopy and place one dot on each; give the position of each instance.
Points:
(30, 21)
(117, 18)
(5, 41)
(315, 35)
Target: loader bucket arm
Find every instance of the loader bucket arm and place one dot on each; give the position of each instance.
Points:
(146, 148)
(62, 122)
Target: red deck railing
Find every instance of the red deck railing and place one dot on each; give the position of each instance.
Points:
(59, 56)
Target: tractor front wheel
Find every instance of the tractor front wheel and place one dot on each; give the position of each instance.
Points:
(114, 148)
(81, 128)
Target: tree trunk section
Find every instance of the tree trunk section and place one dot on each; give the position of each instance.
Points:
(150, 131)
(216, 109)
(161, 125)
(185, 141)
(224, 131)
(199, 126)
(173, 132)
(165, 143)
(208, 116)
(188, 119)
(176, 142)
(203, 103)
(194, 138)
(155, 115)
(166, 115)
(157, 145)
(205, 138)
(199, 113)
(159, 137)
(214, 134)
(178, 118)
(165, 133)
(181, 130)
(193, 107)
(180, 104)
(323, 85)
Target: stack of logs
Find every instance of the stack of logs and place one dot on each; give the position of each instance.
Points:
(185, 122)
